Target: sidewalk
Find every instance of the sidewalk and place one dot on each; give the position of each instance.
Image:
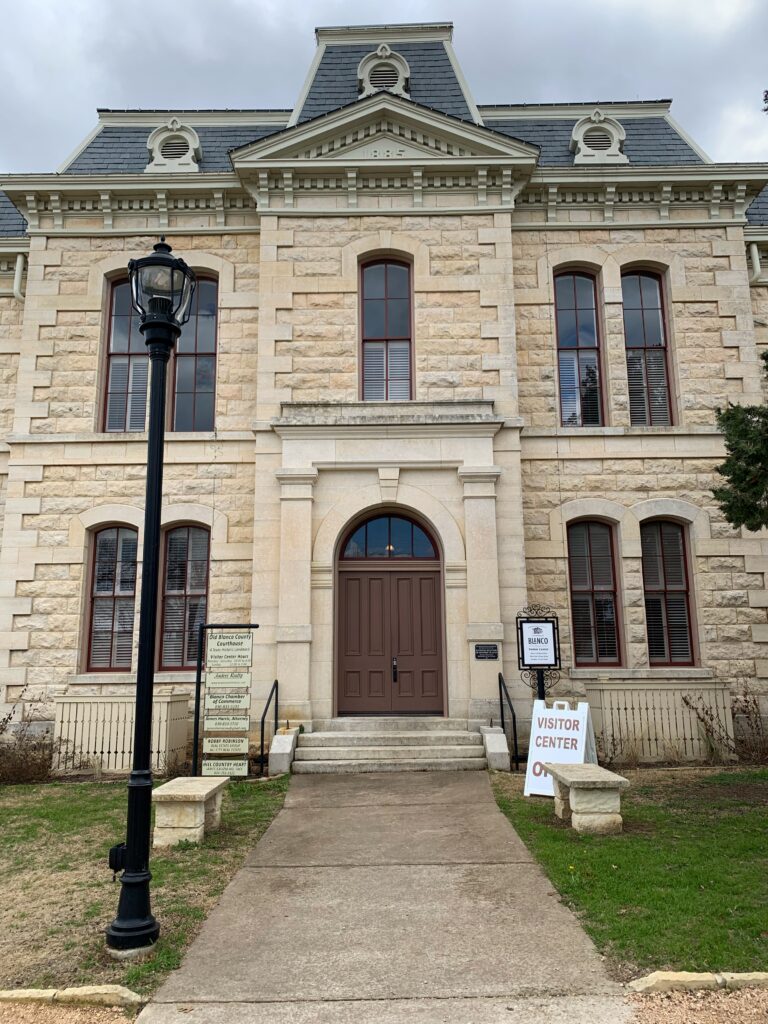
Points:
(390, 898)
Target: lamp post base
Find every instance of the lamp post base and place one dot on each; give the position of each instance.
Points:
(130, 955)
(134, 927)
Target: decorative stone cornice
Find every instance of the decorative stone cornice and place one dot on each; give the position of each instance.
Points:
(386, 419)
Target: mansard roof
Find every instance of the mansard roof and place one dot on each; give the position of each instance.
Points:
(757, 214)
(12, 224)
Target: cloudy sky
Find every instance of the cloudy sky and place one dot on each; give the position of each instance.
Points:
(61, 60)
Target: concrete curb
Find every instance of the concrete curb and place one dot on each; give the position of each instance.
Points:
(688, 981)
(86, 995)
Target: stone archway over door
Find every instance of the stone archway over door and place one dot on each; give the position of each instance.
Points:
(389, 620)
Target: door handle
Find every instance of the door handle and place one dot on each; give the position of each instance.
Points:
(394, 670)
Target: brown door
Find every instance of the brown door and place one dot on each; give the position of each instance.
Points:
(389, 642)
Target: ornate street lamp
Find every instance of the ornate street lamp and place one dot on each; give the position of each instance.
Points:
(162, 287)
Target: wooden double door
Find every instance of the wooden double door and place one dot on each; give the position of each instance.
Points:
(389, 641)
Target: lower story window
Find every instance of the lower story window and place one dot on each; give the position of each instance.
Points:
(593, 594)
(667, 603)
(185, 595)
(113, 594)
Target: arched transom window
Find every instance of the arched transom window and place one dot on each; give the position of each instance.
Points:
(386, 331)
(389, 537)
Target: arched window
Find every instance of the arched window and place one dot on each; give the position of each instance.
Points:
(594, 614)
(112, 597)
(389, 537)
(667, 600)
(191, 374)
(386, 331)
(185, 595)
(645, 337)
(194, 371)
(578, 350)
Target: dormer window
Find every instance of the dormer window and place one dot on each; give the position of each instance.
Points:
(173, 147)
(383, 71)
(598, 139)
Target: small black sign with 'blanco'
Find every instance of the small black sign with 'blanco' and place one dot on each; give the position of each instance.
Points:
(486, 652)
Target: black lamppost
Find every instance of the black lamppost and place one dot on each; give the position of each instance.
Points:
(162, 287)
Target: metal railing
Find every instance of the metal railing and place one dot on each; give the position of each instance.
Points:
(274, 692)
(504, 696)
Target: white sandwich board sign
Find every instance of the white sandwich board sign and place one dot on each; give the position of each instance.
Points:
(559, 735)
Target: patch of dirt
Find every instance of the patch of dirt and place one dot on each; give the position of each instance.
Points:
(748, 1006)
(49, 1013)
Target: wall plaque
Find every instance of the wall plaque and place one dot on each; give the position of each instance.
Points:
(225, 745)
(226, 723)
(224, 766)
(227, 701)
(486, 652)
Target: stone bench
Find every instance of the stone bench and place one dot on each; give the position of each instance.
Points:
(589, 796)
(186, 808)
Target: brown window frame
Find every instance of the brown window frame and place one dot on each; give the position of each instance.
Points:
(178, 356)
(686, 592)
(165, 594)
(655, 276)
(385, 340)
(93, 597)
(388, 557)
(592, 591)
(596, 348)
(139, 355)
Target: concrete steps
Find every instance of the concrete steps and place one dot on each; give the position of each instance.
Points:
(389, 745)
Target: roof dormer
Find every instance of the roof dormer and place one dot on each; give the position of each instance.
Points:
(598, 139)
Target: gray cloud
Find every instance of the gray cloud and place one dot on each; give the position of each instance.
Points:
(62, 60)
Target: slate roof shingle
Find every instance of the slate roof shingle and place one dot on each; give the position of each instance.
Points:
(757, 212)
(433, 81)
(123, 149)
(650, 140)
(12, 224)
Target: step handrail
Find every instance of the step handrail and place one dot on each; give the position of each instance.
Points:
(274, 692)
(504, 695)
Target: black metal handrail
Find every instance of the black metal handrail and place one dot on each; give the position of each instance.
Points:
(274, 692)
(504, 695)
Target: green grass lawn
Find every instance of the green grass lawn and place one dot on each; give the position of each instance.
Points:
(58, 894)
(684, 888)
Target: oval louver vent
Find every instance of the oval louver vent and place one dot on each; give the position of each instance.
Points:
(174, 148)
(598, 140)
(384, 76)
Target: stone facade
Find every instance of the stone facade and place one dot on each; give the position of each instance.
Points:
(478, 455)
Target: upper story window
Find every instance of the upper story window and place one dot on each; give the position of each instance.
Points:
(645, 337)
(195, 362)
(386, 331)
(578, 350)
(667, 600)
(192, 372)
(184, 596)
(592, 575)
(112, 597)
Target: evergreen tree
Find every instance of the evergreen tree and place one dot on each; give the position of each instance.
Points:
(744, 496)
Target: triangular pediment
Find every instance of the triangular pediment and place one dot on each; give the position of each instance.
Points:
(385, 128)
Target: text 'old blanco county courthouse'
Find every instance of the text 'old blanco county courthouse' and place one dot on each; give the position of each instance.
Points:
(446, 360)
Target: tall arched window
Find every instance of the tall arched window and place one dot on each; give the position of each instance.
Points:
(386, 331)
(185, 594)
(112, 597)
(194, 372)
(667, 600)
(578, 350)
(594, 614)
(645, 337)
(191, 374)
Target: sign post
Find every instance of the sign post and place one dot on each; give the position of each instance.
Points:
(228, 656)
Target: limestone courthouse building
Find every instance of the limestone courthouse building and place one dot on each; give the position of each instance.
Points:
(445, 361)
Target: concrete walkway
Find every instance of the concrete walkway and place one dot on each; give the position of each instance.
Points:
(394, 899)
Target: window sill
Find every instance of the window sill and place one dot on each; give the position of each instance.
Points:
(117, 678)
(677, 430)
(667, 674)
